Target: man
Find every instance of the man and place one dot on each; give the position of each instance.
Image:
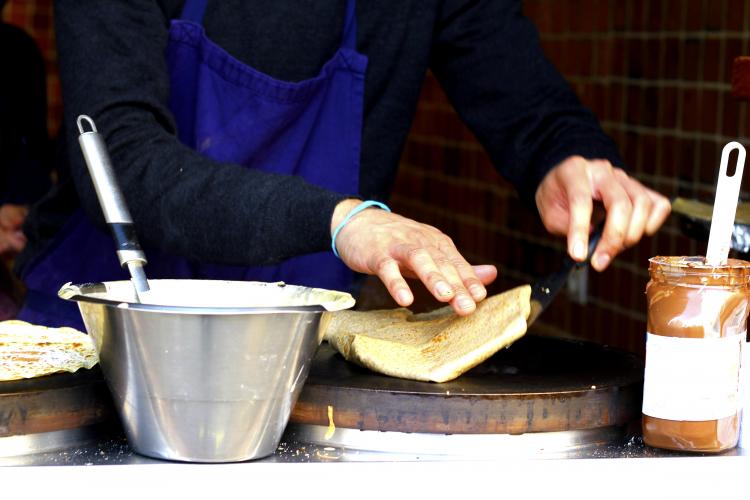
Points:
(247, 135)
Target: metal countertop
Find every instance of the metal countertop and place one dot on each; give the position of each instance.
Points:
(625, 469)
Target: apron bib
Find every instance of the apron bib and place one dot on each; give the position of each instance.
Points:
(232, 113)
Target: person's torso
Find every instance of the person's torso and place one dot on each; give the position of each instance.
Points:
(291, 40)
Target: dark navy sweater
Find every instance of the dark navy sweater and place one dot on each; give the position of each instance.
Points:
(485, 54)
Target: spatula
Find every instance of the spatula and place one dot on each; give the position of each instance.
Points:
(113, 205)
(725, 206)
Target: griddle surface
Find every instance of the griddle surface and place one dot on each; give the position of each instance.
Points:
(538, 384)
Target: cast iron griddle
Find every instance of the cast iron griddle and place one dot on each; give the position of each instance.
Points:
(539, 384)
(54, 402)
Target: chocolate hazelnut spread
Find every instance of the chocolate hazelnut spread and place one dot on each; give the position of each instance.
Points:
(697, 322)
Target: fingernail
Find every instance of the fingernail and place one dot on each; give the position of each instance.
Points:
(602, 260)
(579, 250)
(478, 292)
(465, 303)
(404, 297)
(443, 289)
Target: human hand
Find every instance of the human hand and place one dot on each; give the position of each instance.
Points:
(393, 247)
(12, 240)
(565, 201)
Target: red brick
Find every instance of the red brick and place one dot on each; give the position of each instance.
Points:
(619, 58)
(736, 14)
(578, 18)
(630, 151)
(708, 167)
(583, 52)
(650, 148)
(651, 59)
(615, 108)
(671, 55)
(686, 158)
(731, 115)
(650, 107)
(654, 19)
(668, 103)
(486, 171)
(694, 20)
(690, 55)
(709, 111)
(601, 14)
(713, 14)
(638, 15)
(711, 60)
(690, 106)
(604, 57)
(619, 16)
(429, 86)
(636, 56)
(741, 77)
(409, 184)
(559, 14)
(672, 14)
(634, 105)
(732, 51)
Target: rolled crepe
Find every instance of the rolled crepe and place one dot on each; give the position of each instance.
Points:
(437, 346)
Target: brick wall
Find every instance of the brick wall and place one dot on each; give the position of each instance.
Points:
(657, 73)
(36, 18)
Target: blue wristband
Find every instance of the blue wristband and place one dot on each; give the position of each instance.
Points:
(355, 211)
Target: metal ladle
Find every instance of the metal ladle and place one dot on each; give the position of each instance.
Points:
(113, 205)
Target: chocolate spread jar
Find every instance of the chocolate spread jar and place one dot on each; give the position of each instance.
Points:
(697, 322)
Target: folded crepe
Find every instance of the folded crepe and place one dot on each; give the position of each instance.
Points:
(437, 346)
(28, 350)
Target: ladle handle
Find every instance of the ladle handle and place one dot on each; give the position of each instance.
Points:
(725, 206)
(110, 197)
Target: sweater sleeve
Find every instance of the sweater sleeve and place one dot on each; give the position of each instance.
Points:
(113, 69)
(488, 58)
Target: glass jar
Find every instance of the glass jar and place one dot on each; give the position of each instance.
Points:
(697, 323)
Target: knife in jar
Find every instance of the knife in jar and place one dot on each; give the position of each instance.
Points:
(545, 289)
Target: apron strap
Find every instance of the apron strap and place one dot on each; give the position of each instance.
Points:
(349, 40)
(193, 10)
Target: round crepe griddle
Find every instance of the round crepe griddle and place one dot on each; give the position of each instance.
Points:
(539, 384)
(54, 402)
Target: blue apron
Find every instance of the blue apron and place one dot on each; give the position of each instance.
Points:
(229, 112)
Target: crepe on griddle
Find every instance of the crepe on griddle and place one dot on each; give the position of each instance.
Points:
(28, 350)
(437, 346)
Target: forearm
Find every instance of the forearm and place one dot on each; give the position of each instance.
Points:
(181, 202)
(490, 62)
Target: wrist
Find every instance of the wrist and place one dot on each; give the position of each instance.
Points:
(352, 212)
(342, 209)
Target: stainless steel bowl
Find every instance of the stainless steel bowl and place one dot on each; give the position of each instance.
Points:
(205, 371)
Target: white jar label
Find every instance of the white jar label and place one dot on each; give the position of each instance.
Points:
(692, 379)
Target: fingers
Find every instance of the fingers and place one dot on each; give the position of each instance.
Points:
(387, 269)
(619, 207)
(580, 203)
(659, 213)
(448, 277)
(565, 199)
(485, 273)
